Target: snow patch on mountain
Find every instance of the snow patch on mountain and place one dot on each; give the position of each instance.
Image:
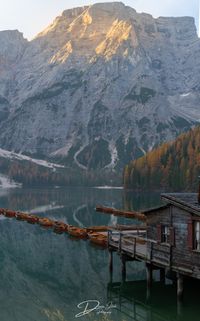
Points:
(76, 155)
(114, 155)
(185, 95)
(12, 155)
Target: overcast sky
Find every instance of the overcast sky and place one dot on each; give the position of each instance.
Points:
(32, 16)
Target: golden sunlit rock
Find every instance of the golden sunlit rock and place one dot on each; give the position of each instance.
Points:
(119, 32)
(62, 55)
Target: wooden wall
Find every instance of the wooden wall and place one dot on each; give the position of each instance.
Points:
(178, 252)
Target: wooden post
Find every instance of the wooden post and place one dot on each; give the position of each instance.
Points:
(199, 191)
(120, 242)
(111, 261)
(151, 251)
(123, 269)
(170, 256)
(134, 246)
(149, 274)
(109, 236)
(162, 276)
(179, 286)
(149, 280)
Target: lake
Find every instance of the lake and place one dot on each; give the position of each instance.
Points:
(45, 276)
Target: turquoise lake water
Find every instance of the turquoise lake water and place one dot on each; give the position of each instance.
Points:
(45, 276)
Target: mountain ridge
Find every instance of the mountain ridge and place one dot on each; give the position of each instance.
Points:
(101, 85)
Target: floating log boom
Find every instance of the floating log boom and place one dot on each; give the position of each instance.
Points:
(96, 234)
(116, 212)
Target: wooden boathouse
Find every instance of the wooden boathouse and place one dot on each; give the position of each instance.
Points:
(170, 243)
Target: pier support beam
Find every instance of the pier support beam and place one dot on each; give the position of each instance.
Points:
(149, 272)
(162, 276)
(111, 261)
(123, 268)
(179, 287)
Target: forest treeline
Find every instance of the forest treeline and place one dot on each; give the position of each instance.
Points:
(173, 166)
(31, 174)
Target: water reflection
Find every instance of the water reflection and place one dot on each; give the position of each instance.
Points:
(32, 198)
(137, 201)
(44, 276)
(132, 302)
(76, 205)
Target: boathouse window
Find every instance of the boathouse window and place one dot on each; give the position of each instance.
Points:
(165, 234)
(197, 235)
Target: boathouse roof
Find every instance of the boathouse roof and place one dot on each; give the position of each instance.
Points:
(186, 201)
(154, 209)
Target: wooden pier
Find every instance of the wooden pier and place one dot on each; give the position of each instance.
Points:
(170, 242)
(138, 247)
(135, 246)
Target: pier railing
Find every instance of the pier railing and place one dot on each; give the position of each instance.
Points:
(136, 245)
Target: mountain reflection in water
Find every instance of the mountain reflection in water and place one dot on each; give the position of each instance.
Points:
(44, 276)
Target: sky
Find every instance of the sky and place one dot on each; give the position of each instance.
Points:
(32, 16)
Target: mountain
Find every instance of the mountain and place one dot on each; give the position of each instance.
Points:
(100, 86)
(172, 166)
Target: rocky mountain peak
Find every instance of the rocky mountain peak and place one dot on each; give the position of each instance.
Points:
(12, 45)
(12, 48)
(88, 32)
(62, 22)
(101, 85)
(103, 28)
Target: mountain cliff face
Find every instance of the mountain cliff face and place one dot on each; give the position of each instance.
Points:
(100, 86)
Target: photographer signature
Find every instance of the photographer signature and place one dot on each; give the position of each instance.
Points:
(94, 305)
